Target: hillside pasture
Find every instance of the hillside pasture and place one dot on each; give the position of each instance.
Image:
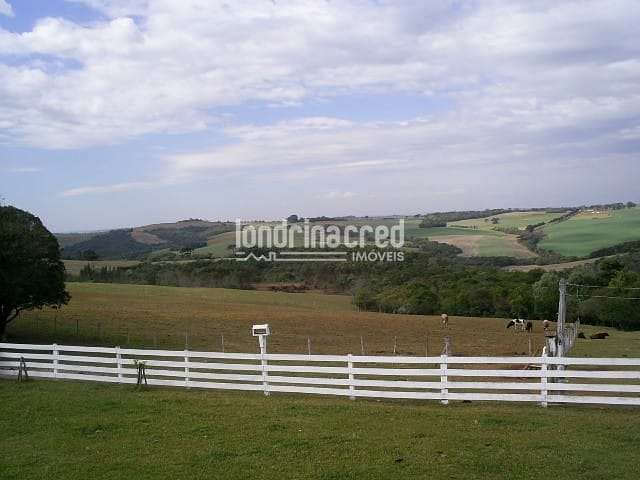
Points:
(586, 232)
(145, 316)
(477, 243)
(516, 220)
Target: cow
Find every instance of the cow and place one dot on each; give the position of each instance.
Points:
(599, 336)
(517, 324)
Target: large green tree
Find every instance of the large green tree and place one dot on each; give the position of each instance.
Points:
(31, 272)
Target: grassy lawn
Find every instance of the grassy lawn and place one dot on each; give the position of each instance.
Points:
(81, 430)
(618, 344)
(584, 233)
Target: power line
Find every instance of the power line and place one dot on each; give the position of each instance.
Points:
(600, 286)
(604, 296)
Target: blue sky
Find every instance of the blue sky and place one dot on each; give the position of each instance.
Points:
(120, 113)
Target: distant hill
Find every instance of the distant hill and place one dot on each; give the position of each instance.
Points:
(68, 239)
(131, 243)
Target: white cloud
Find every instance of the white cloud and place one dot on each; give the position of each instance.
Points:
(338, 195)
(5, 8)
(178, 65)
(24, 170)
(101, 189)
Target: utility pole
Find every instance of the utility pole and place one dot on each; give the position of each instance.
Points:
(562, 313)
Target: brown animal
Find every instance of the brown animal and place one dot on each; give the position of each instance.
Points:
(599, 336)
(529, 326)
(581, 335)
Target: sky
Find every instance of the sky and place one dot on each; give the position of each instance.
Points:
(119, 113)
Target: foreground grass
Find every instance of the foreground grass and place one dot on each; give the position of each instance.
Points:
(75, 430)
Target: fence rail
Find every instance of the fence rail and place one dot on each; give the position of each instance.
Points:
(442, 378)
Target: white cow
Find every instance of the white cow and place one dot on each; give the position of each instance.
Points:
(518, 324)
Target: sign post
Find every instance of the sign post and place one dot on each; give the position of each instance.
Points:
(262, 332)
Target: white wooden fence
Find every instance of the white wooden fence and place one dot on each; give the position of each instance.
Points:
(444, 378)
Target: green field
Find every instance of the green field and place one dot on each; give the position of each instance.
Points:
(80, 430)
(218, 245)
(517, 220)
(431, 232)
(475, 243)
(584, 233)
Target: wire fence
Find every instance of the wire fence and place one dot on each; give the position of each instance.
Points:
(467, 339)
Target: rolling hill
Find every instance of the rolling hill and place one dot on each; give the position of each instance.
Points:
(135, 242)
(592, 230)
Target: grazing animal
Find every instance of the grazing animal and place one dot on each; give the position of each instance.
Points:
(529, 326)
(545, 325)
(581, 335)
(599, 336)
(445, 320)
(517, 324)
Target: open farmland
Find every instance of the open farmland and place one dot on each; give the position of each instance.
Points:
(586, 232)
(139, 315)
(218, 245)
(474, 243)
(517, 220)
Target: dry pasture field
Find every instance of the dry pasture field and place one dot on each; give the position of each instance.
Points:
(147, 316)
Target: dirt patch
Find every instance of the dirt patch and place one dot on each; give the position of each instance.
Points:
(517, 249)
(469, 244)
(139, 235)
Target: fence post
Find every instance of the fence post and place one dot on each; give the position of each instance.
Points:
(263, 363)
(119, 364)
(187, 382)
(444, 391)
(543, 378)
(55, 360)
(352, 387)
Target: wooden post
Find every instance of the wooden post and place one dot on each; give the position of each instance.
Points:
(222, 341)
(352, 387)
(543, 378)
(426, 345)
(119, 364)
(77, 328)
(395, 344)
(309, 345)
(55, 360)
(444, 391)
(530, 346)
(362, 345)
